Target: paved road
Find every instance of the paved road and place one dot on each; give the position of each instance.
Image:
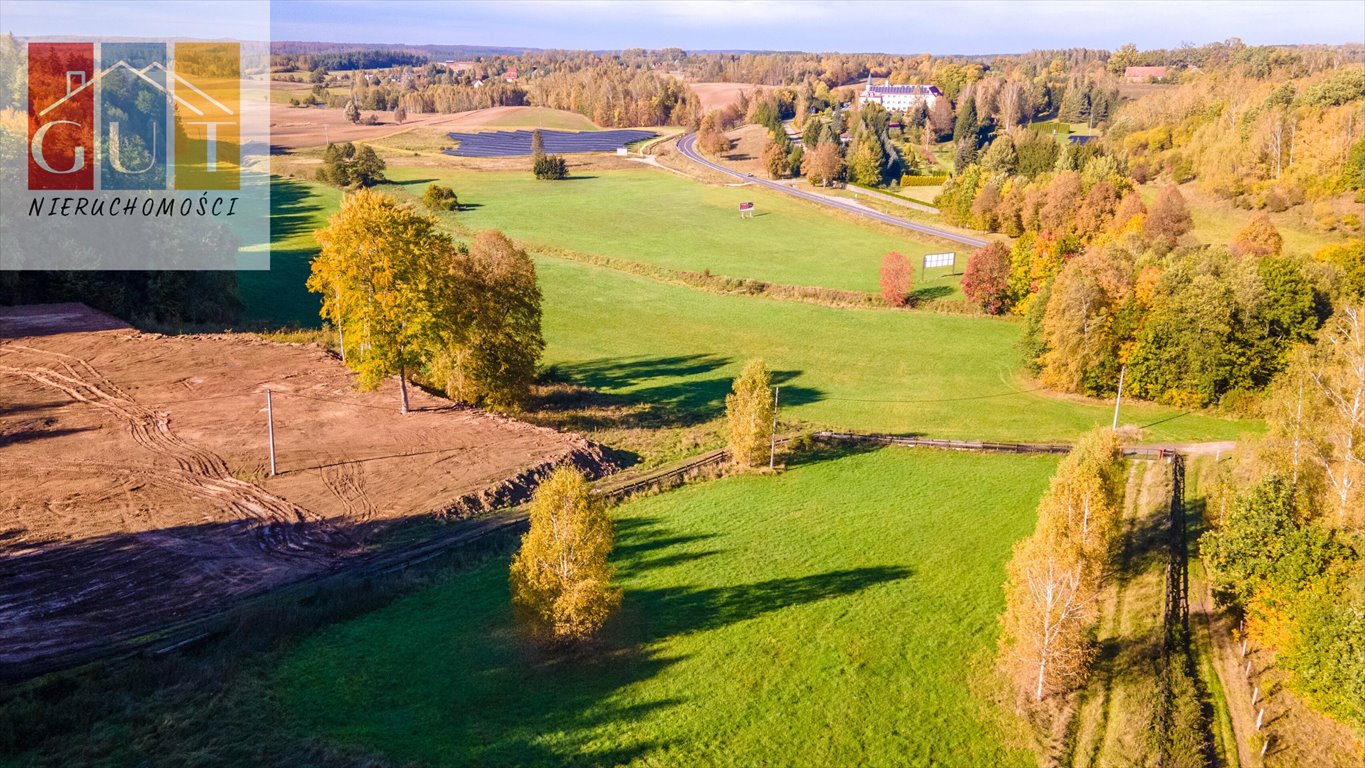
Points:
(687, 145)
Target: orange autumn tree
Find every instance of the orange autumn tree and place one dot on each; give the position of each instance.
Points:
(895, 279)
(1258, 238)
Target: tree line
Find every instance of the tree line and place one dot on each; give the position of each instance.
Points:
(1287, 547)
(609, 89)
(1105, 281)
(1055, 575)
(408, 301)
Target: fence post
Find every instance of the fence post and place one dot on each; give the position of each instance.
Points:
(270, 428)
(1122, 372)
(772, 436)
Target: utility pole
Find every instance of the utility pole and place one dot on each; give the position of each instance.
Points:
(1122, 372)
(341, 333)
(270, 427)
(772, 437)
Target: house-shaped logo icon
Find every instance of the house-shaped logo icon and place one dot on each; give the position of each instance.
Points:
(159, 121)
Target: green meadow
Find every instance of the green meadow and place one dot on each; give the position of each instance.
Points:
(862, 369)
(842, 613)
(678, 348)
(660, 218)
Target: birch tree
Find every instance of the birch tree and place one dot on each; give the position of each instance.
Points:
(560, 578)
(1049, 602)
(1340, 379)
(749, 415)
(382, 273)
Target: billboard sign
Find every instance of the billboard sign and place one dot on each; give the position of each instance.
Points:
(939, 260)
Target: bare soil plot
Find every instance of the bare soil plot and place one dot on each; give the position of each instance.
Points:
(720, 95)
(137, 488)
(294, 128)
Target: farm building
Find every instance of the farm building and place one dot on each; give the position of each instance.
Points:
(1144, 74)
(898, 98)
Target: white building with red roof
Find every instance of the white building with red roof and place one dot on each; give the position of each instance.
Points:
(900, 98)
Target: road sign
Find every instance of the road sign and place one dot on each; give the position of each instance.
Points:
(746, 206)
(939, 260)
(746, 210)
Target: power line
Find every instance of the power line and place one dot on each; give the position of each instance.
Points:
(277, 393)
(933, 400)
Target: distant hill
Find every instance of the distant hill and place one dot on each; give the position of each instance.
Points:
(433, 52)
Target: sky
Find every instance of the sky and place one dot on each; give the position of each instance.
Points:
(973, 27)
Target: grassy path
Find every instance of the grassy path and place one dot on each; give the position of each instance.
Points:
(1117, 703)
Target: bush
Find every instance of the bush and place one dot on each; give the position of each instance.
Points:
(895, 279)
(922, 181)
(439, 198)
(551, 167)
(343, 165)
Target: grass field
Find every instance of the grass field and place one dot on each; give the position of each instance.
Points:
(1062, 130)
(1218, 221)
(843, 613)
(278, 296)
(660, 218)
(945, 375)
(678, 348)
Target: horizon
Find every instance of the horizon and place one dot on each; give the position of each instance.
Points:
(984, 28)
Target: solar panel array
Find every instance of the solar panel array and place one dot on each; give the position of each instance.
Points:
(517, 143)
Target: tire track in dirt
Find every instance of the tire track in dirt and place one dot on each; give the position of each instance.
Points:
(281, 527)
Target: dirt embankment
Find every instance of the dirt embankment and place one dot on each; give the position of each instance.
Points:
(137, 486)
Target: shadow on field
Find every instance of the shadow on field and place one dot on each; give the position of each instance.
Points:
(460, 687)
(279, 296)
(588, 395)
(931, 292)
(290, 208)
(818, 451)
(24, 435)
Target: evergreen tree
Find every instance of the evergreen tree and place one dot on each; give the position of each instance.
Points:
(965, 130)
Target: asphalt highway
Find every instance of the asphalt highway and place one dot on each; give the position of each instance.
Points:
(687, 145)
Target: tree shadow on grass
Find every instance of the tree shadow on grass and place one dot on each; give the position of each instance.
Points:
(930, 292)
(291, 208)
(460, 687)
(589, 395)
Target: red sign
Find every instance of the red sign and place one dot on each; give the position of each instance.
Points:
(61, 116)
(746, 206)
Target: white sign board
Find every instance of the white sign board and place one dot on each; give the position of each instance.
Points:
(939, 260)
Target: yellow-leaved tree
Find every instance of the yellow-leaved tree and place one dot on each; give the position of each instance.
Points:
(560, 578)
(1055, 574)
(1049, 600)
(385, 278)
(490, 356)
(749, 415)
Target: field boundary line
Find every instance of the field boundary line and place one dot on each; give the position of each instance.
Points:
(159, 641)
